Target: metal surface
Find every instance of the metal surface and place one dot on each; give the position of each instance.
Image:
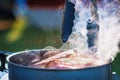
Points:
(3, 55)
(115, 77)
(2, 61)
(20, 72)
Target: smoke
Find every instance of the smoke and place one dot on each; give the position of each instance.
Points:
(109, 21)
(109, 34)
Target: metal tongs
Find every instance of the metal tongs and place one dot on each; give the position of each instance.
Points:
(93, 27)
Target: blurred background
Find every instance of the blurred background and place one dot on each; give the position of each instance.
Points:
(29, 24)
(33, 24)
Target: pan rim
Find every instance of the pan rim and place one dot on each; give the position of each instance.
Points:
(47, 69)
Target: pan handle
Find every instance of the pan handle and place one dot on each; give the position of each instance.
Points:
(3, 55)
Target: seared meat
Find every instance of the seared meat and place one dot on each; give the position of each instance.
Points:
(69, 59)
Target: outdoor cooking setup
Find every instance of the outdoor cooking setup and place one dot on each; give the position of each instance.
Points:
(19, 63)
(18, 69)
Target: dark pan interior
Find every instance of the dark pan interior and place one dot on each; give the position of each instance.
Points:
(30, 57)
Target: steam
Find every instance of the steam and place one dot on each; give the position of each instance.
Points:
(109, 21)
(109, 34)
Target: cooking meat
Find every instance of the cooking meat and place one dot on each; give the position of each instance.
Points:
(51, 53)
(70, 59)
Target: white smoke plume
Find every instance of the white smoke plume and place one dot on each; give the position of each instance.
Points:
(109, 34)
(109, 22)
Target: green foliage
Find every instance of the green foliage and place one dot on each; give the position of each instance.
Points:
(116, 64)
(32, 38)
